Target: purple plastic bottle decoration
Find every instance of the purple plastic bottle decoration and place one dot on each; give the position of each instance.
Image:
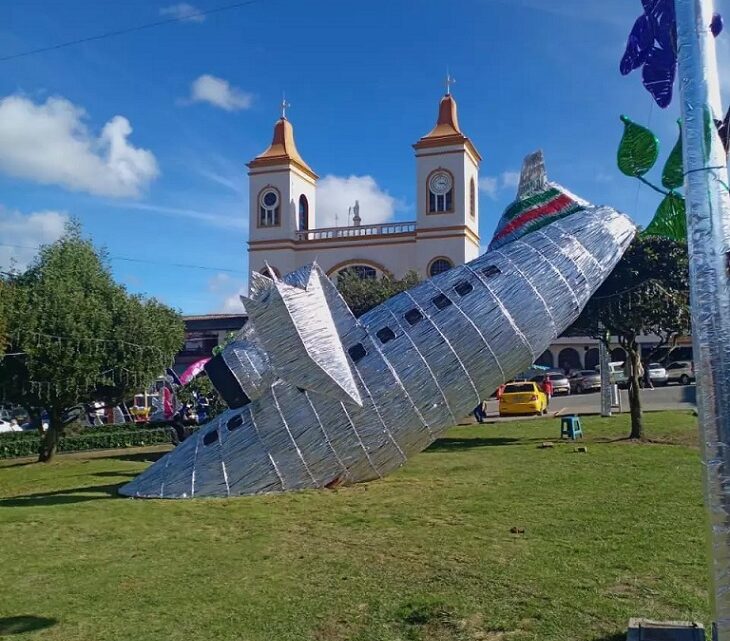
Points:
(716, 24)
(652, 45)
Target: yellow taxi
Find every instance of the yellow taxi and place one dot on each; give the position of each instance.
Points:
(524, 397)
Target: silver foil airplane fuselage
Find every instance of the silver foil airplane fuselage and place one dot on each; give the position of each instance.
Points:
(408, 370)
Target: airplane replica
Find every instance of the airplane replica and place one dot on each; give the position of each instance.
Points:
(319, 398)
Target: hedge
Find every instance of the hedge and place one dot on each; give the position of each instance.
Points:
(14, 444)
(82, 431)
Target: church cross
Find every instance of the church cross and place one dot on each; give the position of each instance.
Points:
(284, 106)
(450, 80)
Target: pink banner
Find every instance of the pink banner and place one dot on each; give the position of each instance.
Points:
(167, 409)
(191, 372)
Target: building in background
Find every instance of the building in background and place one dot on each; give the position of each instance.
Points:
(203, 334)
(581, 352)
(283, 229)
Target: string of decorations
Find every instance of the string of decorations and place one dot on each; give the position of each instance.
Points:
(16, 335)
(46, 389)
(651, 281)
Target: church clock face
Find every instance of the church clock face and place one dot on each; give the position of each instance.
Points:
(440, 183)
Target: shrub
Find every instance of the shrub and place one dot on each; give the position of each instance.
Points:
(14, 444)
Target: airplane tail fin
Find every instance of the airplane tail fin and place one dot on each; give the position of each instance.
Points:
(538, 203)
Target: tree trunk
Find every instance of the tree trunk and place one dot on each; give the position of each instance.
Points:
(49, 442)
(637, 420)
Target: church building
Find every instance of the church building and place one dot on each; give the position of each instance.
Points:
(283, 231)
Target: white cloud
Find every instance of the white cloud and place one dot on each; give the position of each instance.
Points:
(232, 304)
(723, 62)
(336, 194)
(219, 93)
(230, 220)
(228, 290)
(510, 179)
(49, 143)
(21, 234)
(489, 185)
(218, 282)
(492, 185)
(183, 11)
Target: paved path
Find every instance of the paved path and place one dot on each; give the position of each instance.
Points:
(672, 397)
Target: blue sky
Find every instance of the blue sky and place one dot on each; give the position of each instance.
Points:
(144, 137)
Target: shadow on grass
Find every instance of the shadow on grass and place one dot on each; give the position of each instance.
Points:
(19, 464)
(24, 623)
(63, 497)
(137, 457)
(455, 444)
(114, 475)
(618, 636)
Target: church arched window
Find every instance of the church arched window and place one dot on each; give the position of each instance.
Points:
(439, 266)
(472, 199)
(440, 192)
(269, 207)
(303, 213)
(363, 272)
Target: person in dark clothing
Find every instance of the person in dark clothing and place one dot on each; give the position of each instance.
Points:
(480, 412)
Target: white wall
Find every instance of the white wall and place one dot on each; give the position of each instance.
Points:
(291, 183)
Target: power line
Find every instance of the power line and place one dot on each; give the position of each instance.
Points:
(143, 260)
(120, 32)
(185, 265)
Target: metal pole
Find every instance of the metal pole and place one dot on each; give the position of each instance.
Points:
(605, 378)
(708, 231)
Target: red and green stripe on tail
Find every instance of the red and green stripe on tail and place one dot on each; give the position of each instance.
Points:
(529, 214)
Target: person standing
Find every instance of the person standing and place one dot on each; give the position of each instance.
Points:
(480, 412)
(648, 383)
(547, 388)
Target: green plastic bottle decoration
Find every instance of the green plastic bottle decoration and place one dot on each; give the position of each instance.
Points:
(673, 172)
(638, 149)
(670, 219)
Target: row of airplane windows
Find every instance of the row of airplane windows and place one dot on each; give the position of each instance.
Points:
(385, 334)
(413, 316)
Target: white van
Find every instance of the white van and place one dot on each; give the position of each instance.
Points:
(615, 373)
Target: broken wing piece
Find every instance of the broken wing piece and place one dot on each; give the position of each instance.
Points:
(294, 325)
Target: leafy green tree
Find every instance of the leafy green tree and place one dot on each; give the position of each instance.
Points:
(4, 307)
(80, 336)
(201, 386)
(362, 294)
(647, 293)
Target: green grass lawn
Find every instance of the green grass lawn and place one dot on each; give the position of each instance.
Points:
(425, 554)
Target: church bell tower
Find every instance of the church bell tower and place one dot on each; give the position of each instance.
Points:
(447, 188)
(282, 189)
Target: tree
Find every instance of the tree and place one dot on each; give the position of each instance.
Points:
(79, 336)
(362, 294)
(4, 307)
(199, 387)
(647, 293)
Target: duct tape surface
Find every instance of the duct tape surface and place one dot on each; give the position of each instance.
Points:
(338, 400)
(708, 227)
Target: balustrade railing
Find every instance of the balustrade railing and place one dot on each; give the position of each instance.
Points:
(380, 229)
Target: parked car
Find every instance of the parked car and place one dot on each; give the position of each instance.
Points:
(9, 426)
(522, 398)
(682, 372)
(587, 380)
(657, 374)
(615, 373)
(561, 384)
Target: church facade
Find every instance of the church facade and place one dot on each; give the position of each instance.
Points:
(283, 231)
